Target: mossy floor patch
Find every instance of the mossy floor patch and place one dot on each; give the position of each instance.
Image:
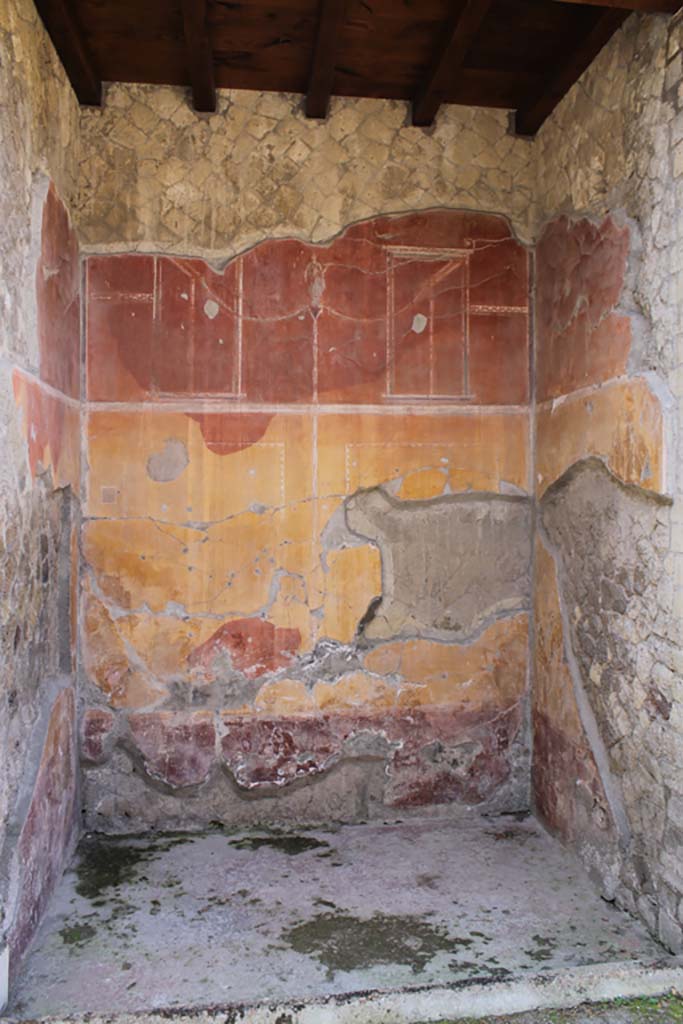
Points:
(106, 864)
(286, 842)
(75, 935)
(343, 942)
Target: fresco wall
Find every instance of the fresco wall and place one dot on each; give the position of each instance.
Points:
(39, 474)
(40, 591)
(307, 543)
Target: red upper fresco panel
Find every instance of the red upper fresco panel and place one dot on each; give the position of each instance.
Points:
(582, 340)
(160, 326)
(58, 299)
(428, 307)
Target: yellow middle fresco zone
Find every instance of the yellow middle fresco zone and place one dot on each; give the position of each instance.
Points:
(198, 521)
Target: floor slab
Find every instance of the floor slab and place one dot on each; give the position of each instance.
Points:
(267, 917)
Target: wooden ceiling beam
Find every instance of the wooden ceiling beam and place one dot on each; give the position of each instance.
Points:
(321, 79)
(199, 55)
(644, 6)
(529, 118)
(66, 35)
(449, 59)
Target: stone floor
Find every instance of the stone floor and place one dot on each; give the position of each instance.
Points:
(215, 919)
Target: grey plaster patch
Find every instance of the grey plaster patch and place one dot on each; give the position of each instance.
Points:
(169, 463)
(450, 565)
(220, 919)
(117, 793)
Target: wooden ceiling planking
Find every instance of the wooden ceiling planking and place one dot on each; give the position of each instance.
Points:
(643, 6)
(165, 63)
(149, 49)
(531, 115)
(501, 89)
(542, 32)
(122, 17)
(66, 32)
(473, 87)
(272, 46)
(518, 54)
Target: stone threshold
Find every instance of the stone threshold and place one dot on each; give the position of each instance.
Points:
(561, 990)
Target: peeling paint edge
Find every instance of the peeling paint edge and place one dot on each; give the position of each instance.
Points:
(218, 259)
(476, 999)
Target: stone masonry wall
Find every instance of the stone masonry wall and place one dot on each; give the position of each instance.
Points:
(39, 470)
(609, 563)
(156, 176)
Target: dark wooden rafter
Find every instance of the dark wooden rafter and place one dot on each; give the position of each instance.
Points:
(459, 35)
(530, 117)
(199, 56)
(644, 6)
(321, 79)
(510, 54)
(67, 37)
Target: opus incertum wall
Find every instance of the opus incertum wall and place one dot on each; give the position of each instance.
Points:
(307, 544)
(602, 704)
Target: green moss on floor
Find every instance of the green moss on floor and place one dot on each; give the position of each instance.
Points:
(651, 1010)
(288, 843)
(343, 942)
